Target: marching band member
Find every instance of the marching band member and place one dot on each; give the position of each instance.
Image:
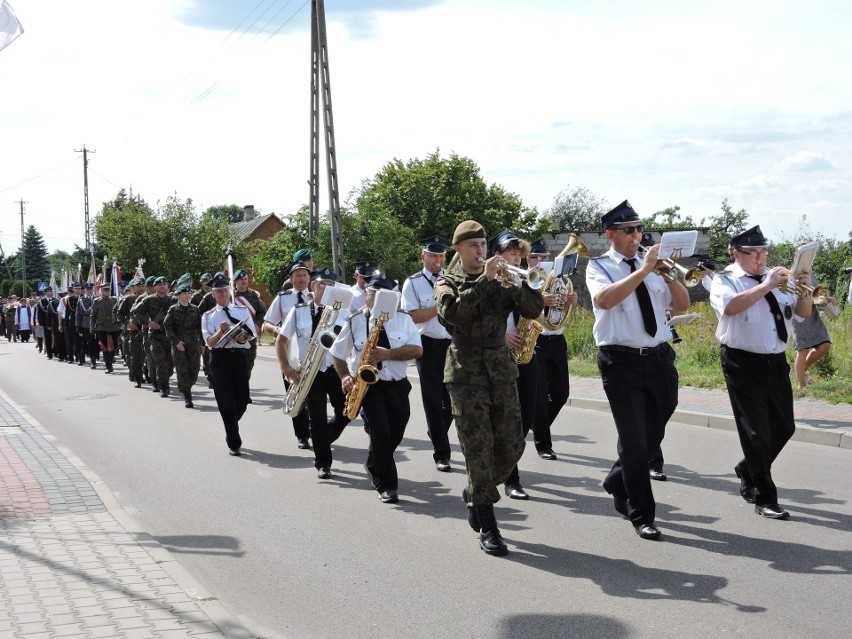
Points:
(480, 373)
(634, 357)
(228, 363)
(552, 356)
(418, 299)
(300, 324)
(298, 295)
(755, 320)
(364, 271)
(386, 401)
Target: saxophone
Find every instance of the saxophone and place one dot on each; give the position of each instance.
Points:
(529, 330)
(321, 341)
(366, 374)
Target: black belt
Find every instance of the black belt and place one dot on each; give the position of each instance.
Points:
(770, 356)
(560, 336)
(227, 350)
(435, 340)
(645, 350)
(484, 342)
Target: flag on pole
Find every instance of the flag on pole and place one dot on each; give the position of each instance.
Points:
(63, 282)
(93, 272)
(115, 277)
(53, 280)
(140, 274)
(10, 26)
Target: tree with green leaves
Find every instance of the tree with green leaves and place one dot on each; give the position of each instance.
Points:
(34, 252)
(722, 227)
(578, 209)
(431, 196)
(229, 213)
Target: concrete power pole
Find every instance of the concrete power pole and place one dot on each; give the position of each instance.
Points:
(23, 252)
(85, 153)
(321, 84)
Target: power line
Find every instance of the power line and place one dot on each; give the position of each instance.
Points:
(9, 188)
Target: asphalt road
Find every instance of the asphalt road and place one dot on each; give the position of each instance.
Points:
(294, 556)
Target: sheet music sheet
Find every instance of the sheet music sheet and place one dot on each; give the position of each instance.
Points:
(677, 320)
(678, 244)
(804, 259)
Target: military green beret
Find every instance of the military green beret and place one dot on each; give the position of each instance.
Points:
(206, 277)
(468, 230)
(184, 278)
(302, 254)
(183, 288)
(160, 280)
(239, 274)
(150, 281)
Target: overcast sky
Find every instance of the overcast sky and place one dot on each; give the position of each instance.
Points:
(661, 102)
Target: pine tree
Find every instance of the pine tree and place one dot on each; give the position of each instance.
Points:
(35, 254)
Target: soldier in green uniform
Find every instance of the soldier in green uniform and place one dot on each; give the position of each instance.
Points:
(204, 304)
(148, 366)
(104, 327)
(151, 311)
(134, 356)
(250, 299)
(183, 328)
(480, 372)
(198, 295)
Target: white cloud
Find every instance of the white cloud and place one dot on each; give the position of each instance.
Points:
(805, 161)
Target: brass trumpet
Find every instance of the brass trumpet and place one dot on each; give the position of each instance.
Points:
(534, 277)
(691, 276)
(818, 293)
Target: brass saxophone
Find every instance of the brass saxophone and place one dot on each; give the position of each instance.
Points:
(529, 330)
(321, 340)
(366, 374)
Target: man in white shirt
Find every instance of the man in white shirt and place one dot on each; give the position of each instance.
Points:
(418, 299)
(228, 363)
(635, 359)
(386, 401)
(755, 321)
(364, 271)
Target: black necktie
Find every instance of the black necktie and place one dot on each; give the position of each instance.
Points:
(383, 339)
(300, 299)
(780, 326)
(645, 306)
(229, 316)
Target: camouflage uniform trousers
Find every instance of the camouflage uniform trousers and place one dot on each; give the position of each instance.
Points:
(160, 351)
(488, 420)
(136, 356)
(187, 364)
(251, 355)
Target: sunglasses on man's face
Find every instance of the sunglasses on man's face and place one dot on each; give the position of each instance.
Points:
(630, 230)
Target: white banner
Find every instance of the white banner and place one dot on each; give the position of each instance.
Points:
(10, 26)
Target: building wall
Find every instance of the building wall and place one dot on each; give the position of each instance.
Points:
(265, 231)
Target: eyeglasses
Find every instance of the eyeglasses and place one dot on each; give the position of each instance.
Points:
(757, 251)
(630, 230)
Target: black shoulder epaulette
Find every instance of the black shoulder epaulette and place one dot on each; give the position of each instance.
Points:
(287, 292)
(598, 257)
(419, 274)
(359, 312)
(399, 310)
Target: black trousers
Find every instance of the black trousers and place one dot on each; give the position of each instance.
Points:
(642, 394)
(436, 399)
(326, 388)
(553, 386)
(302, 421)
(527, 382)
(387, 408)
(231, 389)
(762, 401)
(69, 334)
(89, 344)
(51, 338)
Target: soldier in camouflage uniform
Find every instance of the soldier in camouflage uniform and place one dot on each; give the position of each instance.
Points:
(198, 295)
(151, 311)
(480, 373)
(183, 328)
(148, 366)
(250, 299)
(134, 356)
(204, 303)
(104, 327)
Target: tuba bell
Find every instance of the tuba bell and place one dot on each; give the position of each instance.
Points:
(556, 317)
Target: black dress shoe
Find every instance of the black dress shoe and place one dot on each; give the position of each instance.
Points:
(547, 454)
(472, 515)
(620, 504)
(138, 383)
(771, 511)
(659, 475)
(389, 496)
(746, 488)
(443, 465)
(648, 531)
(304, 444)
(516, 491)
(234, 452)
(324, 472)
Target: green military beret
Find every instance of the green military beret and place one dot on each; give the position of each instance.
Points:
(468, 230)
(160, 280)
(183, 288)
(150, 281)
(239, 274)
(302, 254)
(184, 278)
(206, 277)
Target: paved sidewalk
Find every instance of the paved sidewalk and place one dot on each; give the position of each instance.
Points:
(817, 422)
(74, 564)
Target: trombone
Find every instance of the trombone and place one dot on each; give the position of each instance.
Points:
(670, 267)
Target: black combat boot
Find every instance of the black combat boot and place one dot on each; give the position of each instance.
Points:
(138, 383)
(489, 538)
(472, 516)
(164, 388)
(108, 359)
(187, 396)
(156, 386)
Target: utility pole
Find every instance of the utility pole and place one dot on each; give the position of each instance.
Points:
(85, 153)
(321, 83)
(23, 252)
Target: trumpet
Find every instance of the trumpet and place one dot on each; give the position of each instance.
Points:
(514, 276)
(818, 293)
(669, 267)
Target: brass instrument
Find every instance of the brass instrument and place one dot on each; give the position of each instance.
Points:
(515, 276)
(556, 317)
(818, 293)
(670, 268)
(321, 341)
(529, 330)
(366, 374)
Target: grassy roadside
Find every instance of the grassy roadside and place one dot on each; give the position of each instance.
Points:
(698, 355)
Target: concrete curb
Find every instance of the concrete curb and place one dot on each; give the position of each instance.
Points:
(218, 613)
